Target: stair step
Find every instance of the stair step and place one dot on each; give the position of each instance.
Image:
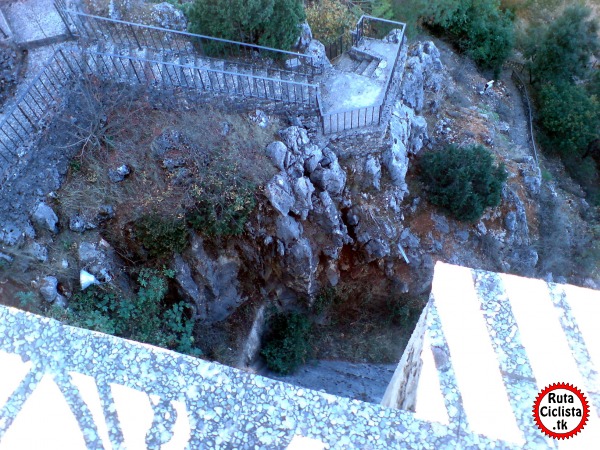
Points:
(370, 69)
(361, 66)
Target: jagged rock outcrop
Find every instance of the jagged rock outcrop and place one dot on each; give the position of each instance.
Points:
(424, 71)
(49, 291)
(408, 134)
(209, 279)
(317, 50)
(166, 15)
(45, 217)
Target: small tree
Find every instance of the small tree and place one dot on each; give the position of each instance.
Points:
(287, 344)
(570, 117)
(480, 28)
(464, 180)
(271, 23)
(562, 50)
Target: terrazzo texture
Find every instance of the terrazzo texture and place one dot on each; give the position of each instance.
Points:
(63, 387)
(493, 341)
(122, 394)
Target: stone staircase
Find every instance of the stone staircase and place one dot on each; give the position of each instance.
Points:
(358, 62)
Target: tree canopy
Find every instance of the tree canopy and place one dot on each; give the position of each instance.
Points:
(562, 50)
(273, 23)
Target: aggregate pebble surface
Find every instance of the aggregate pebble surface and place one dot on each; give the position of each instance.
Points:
(227, 408)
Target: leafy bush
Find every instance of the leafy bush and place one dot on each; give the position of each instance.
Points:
(325, 300)
(480, 28)
(464, 180)
(143, 318)
(273, 23)
(329, 19)
(562, 49)
(410, 12)
(161, 236)
(569, 116)
(287, 344)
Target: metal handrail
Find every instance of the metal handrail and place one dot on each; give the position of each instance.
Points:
(26, 115)
(313, 59)
(206, 69)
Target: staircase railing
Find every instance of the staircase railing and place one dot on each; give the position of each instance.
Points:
(43, 95)
(171, 42)
(37, 102)
(148, 71)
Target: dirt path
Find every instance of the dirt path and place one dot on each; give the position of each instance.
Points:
(519, 117)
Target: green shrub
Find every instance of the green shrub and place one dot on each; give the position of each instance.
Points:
(562, 49)
(287, 344)
(464, 181)
(161, 236)
(143, 317)
(480, 28)
(273, 23)
(224, 198)
(324, 301)
(569, 116)
(410, 12)
(329, 19)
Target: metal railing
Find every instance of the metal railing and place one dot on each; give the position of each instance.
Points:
(180, 43)
(334, 122)
(44, 93)
(36, 103)
(338, 47)
(150, 72)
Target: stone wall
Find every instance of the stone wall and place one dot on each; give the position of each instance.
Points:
(401, 393)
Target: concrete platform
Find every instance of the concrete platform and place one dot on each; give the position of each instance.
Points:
(33, 21)
(343, 90)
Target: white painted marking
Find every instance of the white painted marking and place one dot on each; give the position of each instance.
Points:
(304, 443)
(181, 429)
(135, 415)
(585, 308)
(474, 361)
(89, 394)
(541, 332)
(12, 372)
(45, 422)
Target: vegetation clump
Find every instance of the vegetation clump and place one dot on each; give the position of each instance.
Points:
(480, 28)
(566, 92)
(144, 317)
(463, 180)
(161, 236)
(272, 23)
(561, 50)
(287, 345)
(329, 19)
(224, 198)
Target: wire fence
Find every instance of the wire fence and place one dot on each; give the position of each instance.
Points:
(96, 29)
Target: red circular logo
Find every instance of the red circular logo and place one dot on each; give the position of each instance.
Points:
(561, 410)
